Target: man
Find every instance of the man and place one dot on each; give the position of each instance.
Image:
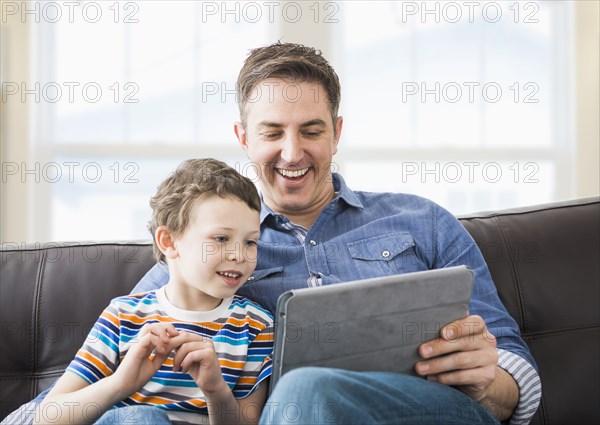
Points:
(316, 231)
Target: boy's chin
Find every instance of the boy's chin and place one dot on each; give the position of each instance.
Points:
(227, 292)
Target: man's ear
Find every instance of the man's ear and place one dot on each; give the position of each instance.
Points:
(240, 133)
(165, 242)
(339, 123)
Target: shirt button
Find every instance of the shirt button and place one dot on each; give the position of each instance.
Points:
(313, 243)
(250, 278)
(385, 254)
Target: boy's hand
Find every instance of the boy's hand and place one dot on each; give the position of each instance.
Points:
(196, 356)
(137, 367)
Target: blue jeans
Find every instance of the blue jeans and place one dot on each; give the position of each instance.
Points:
(135, 415)
(313, 395)
(138, 415)
(24, 415)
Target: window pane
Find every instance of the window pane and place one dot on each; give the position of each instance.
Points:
(101, 199)
(162, 63)
(439, 76)
(448, 73)
(226, 45)
(163, 73)
(374, 61)
(460, 186)
(89, 60)
(519, 60)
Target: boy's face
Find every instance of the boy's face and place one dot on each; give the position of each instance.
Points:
(216, 253)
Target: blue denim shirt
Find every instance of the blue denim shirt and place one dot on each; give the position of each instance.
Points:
(363, 235)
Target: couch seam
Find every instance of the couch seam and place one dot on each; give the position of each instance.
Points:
(33, 376)
(515, 274)
(508, 212)
(521, 300)
(35, 316)
(545, 415)
(61, 245)
(541, 410)
(584, 328)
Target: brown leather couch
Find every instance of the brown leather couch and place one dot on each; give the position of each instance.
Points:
(545, 261)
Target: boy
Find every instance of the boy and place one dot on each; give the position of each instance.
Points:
(191, 347)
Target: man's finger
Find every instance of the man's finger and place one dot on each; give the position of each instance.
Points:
(460, 360)
(470, 325)
(479, 377)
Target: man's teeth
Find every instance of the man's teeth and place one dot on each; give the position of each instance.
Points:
(292, 173)
(232, 275)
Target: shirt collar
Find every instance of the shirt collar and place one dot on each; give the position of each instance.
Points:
(339, 186)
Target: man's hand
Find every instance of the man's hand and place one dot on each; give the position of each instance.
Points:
(465, 356)
(196, 356)
(137, 367)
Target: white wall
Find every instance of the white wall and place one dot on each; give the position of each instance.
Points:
(587, 98)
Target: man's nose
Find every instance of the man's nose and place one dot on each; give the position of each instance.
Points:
(291, 151)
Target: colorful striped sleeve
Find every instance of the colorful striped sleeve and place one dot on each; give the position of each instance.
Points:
(260, 336)
(99, 355)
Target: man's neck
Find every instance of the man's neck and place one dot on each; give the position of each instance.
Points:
(304, 220)
(307, 217)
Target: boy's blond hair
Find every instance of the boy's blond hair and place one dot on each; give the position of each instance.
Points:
(194, 180)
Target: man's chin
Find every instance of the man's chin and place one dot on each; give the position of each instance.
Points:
(285, 193)
(294, 207)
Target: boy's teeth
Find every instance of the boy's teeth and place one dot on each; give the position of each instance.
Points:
(227, 274)
(293, 173)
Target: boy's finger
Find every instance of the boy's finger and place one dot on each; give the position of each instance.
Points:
(159, 329)
(195, 356)
(142, 347)
(183, 352)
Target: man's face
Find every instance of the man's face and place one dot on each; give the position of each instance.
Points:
(290, 138)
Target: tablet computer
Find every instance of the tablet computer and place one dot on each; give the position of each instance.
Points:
(368, 325)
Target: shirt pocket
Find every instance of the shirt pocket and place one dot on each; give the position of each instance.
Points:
(264, 287)
(384, 255)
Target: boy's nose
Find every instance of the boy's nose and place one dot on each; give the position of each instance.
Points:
(233, 253)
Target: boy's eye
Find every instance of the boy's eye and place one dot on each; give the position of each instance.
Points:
(220, 239)
(251, 243)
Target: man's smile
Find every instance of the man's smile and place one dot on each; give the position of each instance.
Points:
(292, 173)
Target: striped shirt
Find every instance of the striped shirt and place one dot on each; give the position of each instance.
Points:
(241, 331)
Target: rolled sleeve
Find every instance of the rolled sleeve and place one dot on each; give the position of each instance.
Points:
(529, 383)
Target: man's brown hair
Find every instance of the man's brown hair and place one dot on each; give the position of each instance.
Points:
(194, 180)
(288, 62)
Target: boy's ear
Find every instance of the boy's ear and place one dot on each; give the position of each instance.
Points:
(165, 242)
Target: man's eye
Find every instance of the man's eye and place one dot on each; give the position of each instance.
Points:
(272, 135)
(312, 134)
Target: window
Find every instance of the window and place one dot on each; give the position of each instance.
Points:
(465, 104)
(128, 91)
